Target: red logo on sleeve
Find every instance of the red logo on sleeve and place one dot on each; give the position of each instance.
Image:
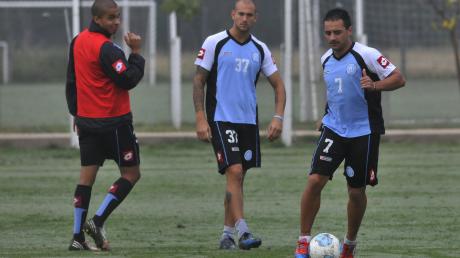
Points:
(383, 62)
(201, 53)
(119, 66)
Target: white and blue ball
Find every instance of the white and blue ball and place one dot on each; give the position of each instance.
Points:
(324, 245)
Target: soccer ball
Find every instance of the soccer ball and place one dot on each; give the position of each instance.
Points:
(324, 245)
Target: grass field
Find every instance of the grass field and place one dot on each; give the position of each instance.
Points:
(176, 208)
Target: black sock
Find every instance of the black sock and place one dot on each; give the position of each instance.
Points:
(81, 200)
(117, 193)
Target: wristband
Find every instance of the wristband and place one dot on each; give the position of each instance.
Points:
(278, 117)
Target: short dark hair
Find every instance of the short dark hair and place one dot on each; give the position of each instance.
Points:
(338, 14)
(245, 1)
(100, 6)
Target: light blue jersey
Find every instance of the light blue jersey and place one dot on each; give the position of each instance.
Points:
(352, 111)
(234, 70)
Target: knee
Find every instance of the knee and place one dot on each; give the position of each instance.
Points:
(235, 173)
(356, 194)
(316, 183)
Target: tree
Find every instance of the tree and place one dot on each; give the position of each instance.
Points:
(449, 13)
(183, 8)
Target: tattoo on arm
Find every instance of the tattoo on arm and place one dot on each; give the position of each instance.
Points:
(199, 81)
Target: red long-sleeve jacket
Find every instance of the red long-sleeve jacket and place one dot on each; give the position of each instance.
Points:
(98, 80)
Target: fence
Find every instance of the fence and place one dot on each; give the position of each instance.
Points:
(405, 31)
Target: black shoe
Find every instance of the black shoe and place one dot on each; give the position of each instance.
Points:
(227, 243)
(81, 246)
(248, 241)
(98, 234)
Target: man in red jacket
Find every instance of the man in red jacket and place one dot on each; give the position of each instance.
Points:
(98, 80)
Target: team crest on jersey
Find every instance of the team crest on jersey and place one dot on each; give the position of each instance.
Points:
(201, 54)
(255, 57)
(119, 66)
(351, 69)
(383, 62)
(128, 155)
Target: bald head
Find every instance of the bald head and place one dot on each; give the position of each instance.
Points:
(244, 2)
(100, 7)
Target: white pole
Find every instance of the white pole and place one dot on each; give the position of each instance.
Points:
(303, 112)
(125, 24)
(5, 62)
(152, 42)
(311, 60)
(75, 31)
(175, 69)
(287, 125)
(360, 36)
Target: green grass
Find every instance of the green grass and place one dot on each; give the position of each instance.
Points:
(176, 208)
(42, 107)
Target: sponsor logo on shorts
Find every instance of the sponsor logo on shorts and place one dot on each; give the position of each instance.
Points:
(235, 148)
(248, 155)
(220, 157)
(350, 172)
(325, 158)
(113, 189)
(119, 66)
(372, 175)
(128, 155)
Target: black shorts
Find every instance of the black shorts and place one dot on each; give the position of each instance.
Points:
(119, 144)
(235, 144)
(360, 153)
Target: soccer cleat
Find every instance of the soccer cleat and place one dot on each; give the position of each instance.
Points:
(248, 241)
(348, 251)
(98, 234)
(81, 246)
(302, 250)
(227, 243)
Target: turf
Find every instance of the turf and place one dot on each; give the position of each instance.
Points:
(176, 208)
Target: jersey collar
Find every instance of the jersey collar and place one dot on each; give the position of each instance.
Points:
(94, 27)
(346, 52)
(239, 43)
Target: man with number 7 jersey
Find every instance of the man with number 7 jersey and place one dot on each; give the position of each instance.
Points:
(355, 75)
(229, 64)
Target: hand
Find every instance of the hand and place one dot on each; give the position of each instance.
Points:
(203, 131)
(133, 41)
(274, 129)
(367, 82)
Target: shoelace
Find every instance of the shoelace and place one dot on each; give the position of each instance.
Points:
(302, 247)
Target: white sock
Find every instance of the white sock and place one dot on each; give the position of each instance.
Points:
(228, 231)
(306, 238)
(349, 242)
(241, 227)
